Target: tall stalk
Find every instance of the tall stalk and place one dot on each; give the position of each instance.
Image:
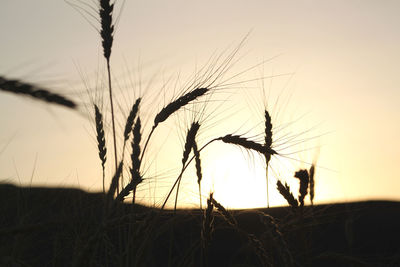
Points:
(106, 33)
(268, 144)
(112, 118)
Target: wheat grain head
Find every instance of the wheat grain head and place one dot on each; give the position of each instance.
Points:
(284, 190)
(247, 144)
(107, 27)
(312, 183)
(101, 141)
(28, 89)
(131, 119)
(178, 104)
(302, 175)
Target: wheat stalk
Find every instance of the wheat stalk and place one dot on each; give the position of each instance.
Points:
(268, 134)
(101, 141)
(135, 172)
(114, 181)
(259, 250)
(247, 144)
(190, 139)
(199, 173)
(136, 177)
(172, 108)
(302, 175)
(19, 87)
(225, 213)
(284, 190)
(106, 33)
(268, 144)
(178, 104)
(254, 241)
(280, 243)
(131, 119)
(107, 27)
(312, 183)
(208, 222)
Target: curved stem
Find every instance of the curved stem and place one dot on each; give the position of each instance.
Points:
(176, 196)
(147, 142)
(183, 169)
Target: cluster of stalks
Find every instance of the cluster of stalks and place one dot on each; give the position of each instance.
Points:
(306, 181)
(119, 190)
(133, 128)
(133, 125)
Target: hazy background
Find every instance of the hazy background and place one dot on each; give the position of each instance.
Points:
(342, 64)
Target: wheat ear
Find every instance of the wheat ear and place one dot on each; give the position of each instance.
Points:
(208, 222)
(101, 141)
(173, 107)
(247, 144)
(182, 171)
(135, 172)
(106, 33)
(268, 144)
(178, 104)
(136, 177)
(131, 119)
(312, 183)
(284, 190)
(199, 173)
(302, 175)
(225, 213)
(190, 139)
(27, 89)
(107, 27)
(254, 241)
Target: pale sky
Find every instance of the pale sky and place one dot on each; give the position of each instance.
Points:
(340, 61)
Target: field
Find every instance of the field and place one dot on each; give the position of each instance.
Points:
(66, 227)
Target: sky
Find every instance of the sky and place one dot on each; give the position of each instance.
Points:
(327, 71)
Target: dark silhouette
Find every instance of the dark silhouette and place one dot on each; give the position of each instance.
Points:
(67, 227)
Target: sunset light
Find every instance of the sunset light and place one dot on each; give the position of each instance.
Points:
(288, 108)
(305, 87)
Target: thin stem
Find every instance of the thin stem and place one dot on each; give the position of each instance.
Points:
(112, 119)
(147, 142)
(134, 195)
(201, 205)
(104, 177)
(266, 175)
(176, 196)
(183, 169)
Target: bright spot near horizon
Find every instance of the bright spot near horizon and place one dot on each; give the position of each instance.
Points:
(345, 75)
(237, 179)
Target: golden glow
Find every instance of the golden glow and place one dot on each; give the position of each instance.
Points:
(236, 178)
(346, 76)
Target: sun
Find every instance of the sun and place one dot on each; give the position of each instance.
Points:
(238, 179)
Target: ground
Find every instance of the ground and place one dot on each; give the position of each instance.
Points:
(69, 227)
